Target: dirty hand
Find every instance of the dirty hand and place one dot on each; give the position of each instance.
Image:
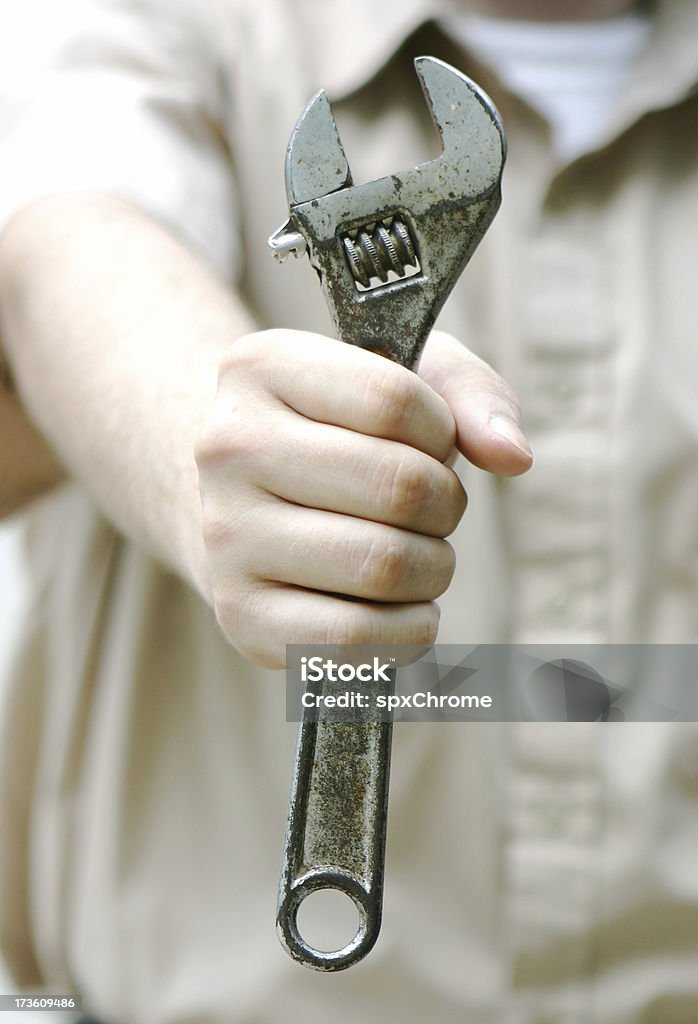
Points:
(322, 474)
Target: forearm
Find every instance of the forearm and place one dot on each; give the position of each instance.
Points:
(115, 332)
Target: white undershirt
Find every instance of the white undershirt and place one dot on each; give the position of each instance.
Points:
(570, 72)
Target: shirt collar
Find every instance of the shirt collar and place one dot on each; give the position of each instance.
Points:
(667, 72)
(369, 33)
(372, 33)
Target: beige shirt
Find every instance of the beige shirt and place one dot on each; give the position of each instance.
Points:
(535, 872)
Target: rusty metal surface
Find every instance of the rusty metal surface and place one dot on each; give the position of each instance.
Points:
(388, 253)
(446, 203)
(336, 831)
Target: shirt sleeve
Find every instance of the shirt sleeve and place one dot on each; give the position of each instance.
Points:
(122, 97)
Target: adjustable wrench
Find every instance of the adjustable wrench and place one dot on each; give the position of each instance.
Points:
(388, 253)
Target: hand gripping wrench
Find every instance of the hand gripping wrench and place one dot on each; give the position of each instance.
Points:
(388, 253)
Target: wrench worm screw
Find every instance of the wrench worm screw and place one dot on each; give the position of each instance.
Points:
(379, 250)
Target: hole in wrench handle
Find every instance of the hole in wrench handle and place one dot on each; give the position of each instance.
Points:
(369, 920)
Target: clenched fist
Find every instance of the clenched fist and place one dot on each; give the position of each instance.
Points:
(324, 480)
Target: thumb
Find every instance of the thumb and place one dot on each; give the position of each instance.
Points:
(484, 407)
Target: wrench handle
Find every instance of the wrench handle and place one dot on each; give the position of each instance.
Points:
(336, 831)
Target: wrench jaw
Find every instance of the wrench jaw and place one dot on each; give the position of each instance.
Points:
(315, 166)
(469, 125)
(315, 161)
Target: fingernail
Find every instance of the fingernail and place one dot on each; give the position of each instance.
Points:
(511, 432)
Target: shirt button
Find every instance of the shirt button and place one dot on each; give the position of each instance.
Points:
(561, 388)
(561, 393)
(555, 819)
(557, 606)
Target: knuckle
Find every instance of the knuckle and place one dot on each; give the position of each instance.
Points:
(350, 627)
(454, 504)
(483, 377)
(215, 527)
(501, 389)
(446, 568)
(382, 566)
(408, 486)
(239, 610)
(239, 357)
(510, 398)
(248, 352)
(359, 626)
(264, 656)
(391, 399)
(228, 439)
(210, 445)
(426, 628)
(229, 608)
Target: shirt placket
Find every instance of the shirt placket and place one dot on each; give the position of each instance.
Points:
(560, 511)
(559, 590)
(552, 866)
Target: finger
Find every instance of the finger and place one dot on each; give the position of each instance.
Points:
(331, 382)
(338, 470)
(485, 409)
(273, 616)
(338, 554)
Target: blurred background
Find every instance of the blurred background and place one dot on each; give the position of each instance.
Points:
(13, 590)
(13, 595)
